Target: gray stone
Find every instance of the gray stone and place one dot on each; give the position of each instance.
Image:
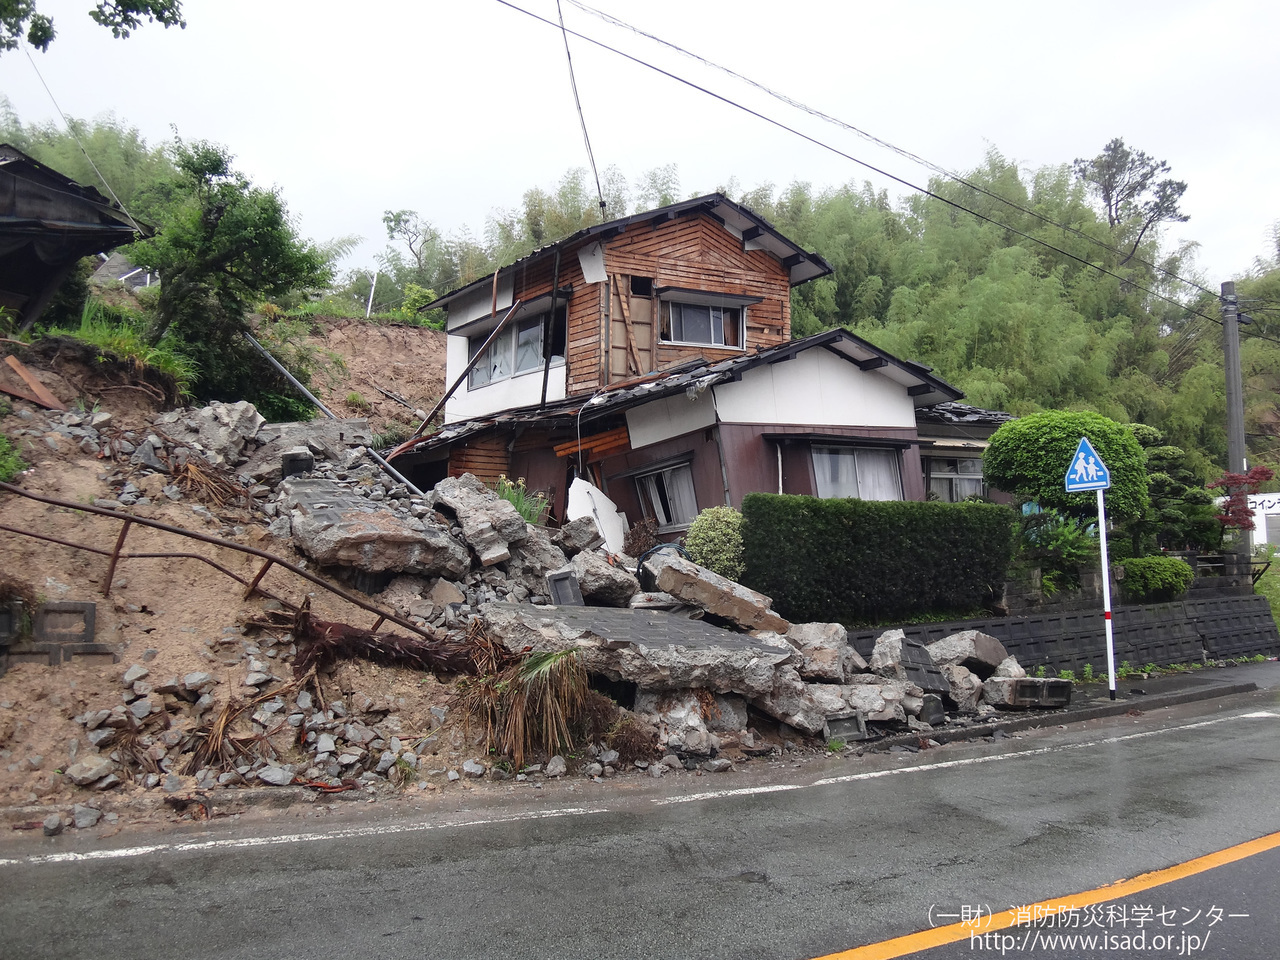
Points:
(578, 535)
(198, 681)
(453, 776)
(966, 687)
(979, 652)
(277, 776)
(387, 760)
(603, 583)
(52, 825)
(715, 594)
(608, 757)
(593, 770)
(473, 768)
(89, 769)
(718, 765)
(256, 679)
(1009, 667)
(85, 816)
(325, 743)
(556, 766)
(333, 526)
(141, 709)
(327, 439)
(145, 456)
(173, 784)
(134, 674)
(825, 651)
(108, 782)
(488, 522)
(658, 770)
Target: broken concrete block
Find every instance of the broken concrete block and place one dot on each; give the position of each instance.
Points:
(563, 588)
(533, 558)
(602, 582)
(332, 526)
(932, 710)
(715, 594)
(729, 714)
(1026, 692)
(296, 460)
(825, 652)
(973, 649)
(578, 535)
(488, 522)
(965, 688)
(899, 658)
(655, 600)
(678, 715)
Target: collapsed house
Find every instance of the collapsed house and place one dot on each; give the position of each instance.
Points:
(652, 355)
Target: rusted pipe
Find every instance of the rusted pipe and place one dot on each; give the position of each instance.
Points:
(227, 544)
(115, 556)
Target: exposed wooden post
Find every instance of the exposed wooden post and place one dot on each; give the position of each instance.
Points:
(115, 558)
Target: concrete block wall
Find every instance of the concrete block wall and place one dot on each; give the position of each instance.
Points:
(1183, 631)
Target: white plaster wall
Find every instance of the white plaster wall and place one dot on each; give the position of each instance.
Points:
(479, 302)
(522, 390)
(815, 387)
(669, 417)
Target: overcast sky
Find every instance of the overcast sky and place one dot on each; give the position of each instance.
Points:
(454, 109)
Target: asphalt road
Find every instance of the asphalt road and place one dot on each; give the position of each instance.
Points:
(861, 851)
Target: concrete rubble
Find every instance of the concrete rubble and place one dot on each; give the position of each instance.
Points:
(707, 659)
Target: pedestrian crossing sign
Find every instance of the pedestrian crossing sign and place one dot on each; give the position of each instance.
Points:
(1087, 471)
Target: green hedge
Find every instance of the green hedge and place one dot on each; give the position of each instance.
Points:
(859, 561)
(1155, 579)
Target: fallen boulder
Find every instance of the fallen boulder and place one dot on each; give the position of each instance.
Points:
(602, 582)
(825, 652)
(488, 522)
(333, 526)
(715, 594)
(974, 649)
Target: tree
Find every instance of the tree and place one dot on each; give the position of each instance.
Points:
(19, 17)
(1181, 513)
(1029, 457)
(222, 246)
(1126, 182)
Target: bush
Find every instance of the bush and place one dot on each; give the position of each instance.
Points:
(859, 561)
(714, 541)
(1153, 579)
(529, 505)
(10, 463)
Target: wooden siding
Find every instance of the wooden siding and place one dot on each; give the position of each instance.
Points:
(485, 457)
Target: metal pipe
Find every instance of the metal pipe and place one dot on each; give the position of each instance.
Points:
(395, 474)
(417, 434)
(217, 542)
(547, 326)
(372, 287)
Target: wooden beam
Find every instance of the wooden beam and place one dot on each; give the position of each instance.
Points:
(633, 351)
(46, 398)
(874, 363)
(919, 390)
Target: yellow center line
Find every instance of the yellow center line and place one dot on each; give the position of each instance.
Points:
(957, 932)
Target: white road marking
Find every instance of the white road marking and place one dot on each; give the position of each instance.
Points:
(241, 843)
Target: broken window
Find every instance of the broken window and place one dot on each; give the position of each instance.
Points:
(954, 480)
(866, 473)
(518, 349)
(668, 497)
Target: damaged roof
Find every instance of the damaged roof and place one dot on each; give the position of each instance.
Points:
(695, 376)
(754, 230)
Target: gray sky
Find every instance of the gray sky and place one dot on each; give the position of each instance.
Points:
(456, 108)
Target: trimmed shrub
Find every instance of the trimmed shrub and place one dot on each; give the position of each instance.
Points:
(714, 541)
(1155, 579)
(860, 561)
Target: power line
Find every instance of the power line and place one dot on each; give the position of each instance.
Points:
(577, 102)
(74, 136)
(937, 168)
(884, 173)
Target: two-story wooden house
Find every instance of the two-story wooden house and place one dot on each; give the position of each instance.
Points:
(652, 356)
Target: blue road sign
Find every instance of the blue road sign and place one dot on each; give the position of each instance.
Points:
(1087, 471)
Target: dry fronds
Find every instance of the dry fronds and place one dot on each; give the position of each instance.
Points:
(632, 738)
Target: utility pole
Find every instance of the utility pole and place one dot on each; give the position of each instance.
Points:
(1235, 382)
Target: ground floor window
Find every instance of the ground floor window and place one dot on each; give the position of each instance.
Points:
(867, 473)
(954, 480)
(667, 496)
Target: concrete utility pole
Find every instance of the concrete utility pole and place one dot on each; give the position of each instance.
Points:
(1235, 383)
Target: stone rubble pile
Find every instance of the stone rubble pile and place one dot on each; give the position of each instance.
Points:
(460, 553)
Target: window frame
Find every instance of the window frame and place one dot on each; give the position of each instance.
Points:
(652, 502)
(952, 478)
(724, 311)
(855, 451)
(511, 340)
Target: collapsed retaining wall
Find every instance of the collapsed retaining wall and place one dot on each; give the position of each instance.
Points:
(1164, 633)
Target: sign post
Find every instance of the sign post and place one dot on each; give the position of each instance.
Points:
(1087, 472)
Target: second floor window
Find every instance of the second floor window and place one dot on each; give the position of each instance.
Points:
(699, 323)
(518, 349)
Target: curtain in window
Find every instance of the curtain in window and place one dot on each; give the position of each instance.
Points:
(836, 472)
(878, 475)
(684, 502)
